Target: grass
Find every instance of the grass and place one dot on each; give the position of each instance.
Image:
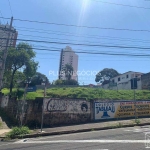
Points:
(1, 124)
(137, 121)
(118, 125)
(18, 131)
(86, 93)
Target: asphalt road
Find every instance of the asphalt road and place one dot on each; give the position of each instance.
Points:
(114, 139)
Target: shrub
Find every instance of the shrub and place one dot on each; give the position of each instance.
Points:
(119, 125)
(137, 121)
(18, 131)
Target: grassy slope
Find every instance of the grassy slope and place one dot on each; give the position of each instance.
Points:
(89, 93)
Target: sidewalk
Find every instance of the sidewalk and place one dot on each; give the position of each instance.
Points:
(83, 128)
(89, 127)
(3, 132)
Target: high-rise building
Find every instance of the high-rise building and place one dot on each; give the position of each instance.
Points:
(68, 56)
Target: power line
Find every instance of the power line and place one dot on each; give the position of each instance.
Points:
(2, 17)
(140, 7)
(76, 40)
(108, 37)
(10, 8)
(80, 49)
(71, 25)
(84, 51)
(82, 44)
(101, 53)
(49, 53)
(96, 37)
(91, 59)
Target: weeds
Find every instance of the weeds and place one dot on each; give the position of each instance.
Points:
(18, 131)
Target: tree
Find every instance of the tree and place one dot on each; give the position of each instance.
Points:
(20, 57)
(19, 77)
(68, 70)
(66, 82)
(105, 75)
(38, 78)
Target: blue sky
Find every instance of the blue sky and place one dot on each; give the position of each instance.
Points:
(83, 13)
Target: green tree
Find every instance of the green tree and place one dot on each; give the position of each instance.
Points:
(66, 82)
(106, 74)
(59, 82)
(68, 70)
(19, 77)
(20, 57)
(38, 78)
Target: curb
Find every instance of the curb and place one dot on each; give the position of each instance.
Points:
(78, 131)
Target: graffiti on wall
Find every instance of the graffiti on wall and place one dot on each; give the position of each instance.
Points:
(55, 105)
(66, 106)
(121, 109)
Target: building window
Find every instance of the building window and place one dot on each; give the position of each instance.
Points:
(127, 76)
(113, 81)
(119, 79)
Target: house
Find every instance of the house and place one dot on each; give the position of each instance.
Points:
(123, 81)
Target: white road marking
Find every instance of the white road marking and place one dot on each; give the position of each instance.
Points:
(138, 130)
(100, 149)
(6, 144)
(84, 141)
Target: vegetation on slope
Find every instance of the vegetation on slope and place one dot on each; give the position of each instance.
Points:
(85, 93)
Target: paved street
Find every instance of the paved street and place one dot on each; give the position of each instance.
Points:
(115, 139)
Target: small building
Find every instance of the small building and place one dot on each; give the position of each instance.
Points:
(123, 81)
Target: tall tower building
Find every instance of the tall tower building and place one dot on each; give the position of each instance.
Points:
(68, 56)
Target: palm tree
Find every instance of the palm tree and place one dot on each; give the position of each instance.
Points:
(68, 69)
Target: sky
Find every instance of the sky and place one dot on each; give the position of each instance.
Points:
(105, 15)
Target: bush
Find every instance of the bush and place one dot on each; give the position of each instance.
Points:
(18, 131)
(137, 121)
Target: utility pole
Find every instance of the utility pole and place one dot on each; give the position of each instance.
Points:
(134, 96)
(23, 102)
(43, 106)
(134, 80)
(2, 68)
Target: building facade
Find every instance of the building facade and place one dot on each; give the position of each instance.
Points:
(4, 30)
(68, 56)
(123, 81)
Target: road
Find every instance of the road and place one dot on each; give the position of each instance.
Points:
(132, 138)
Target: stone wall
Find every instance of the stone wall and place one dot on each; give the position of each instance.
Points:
(57, 112)
(9, 110)
(66, 111)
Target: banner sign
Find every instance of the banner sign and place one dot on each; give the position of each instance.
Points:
(31, 89)
(121, 109)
